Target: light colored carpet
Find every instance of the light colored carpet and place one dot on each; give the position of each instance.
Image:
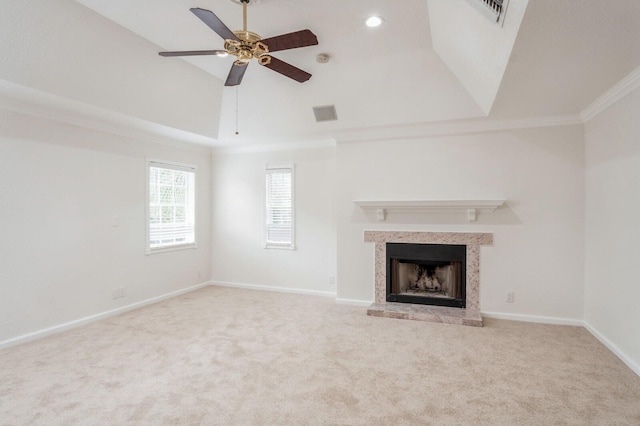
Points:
(223, 356)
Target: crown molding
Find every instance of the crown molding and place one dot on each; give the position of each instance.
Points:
(30, 101)
(398, 132)
(613, 95)
(26, 100)
(452, 128)
(269, 146)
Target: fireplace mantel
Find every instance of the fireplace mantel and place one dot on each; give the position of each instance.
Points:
(470, 207)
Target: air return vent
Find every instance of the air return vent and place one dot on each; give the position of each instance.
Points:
(494, 10)
(325, 113)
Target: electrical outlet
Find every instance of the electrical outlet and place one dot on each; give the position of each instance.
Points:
(332, 280)
(117, 293)
(199, 275)
(510, 296)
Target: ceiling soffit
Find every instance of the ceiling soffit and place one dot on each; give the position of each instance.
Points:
(475, 49)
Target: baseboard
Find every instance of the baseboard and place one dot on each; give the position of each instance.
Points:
(613, 348)
(93, 318)
(272, 288)
(354, 302)
(534, 318)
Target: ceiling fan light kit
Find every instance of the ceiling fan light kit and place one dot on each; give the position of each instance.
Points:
(246, 45)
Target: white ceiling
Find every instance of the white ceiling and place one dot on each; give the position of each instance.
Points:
(566, 53)
(569, 53)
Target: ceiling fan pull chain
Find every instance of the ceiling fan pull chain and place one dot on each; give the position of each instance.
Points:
(237, 131)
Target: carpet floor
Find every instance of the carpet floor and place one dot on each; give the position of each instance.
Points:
(221, 356)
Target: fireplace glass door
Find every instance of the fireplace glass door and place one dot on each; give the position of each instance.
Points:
(430, 274)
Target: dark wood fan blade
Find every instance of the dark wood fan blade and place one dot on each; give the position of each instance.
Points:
(209, 18)
(287, 69)
(235, 75)
(302, 38)
(192, 53)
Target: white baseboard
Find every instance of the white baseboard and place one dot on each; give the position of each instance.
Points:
(354, 302)
(613, 348)
(93, 318)
(272, 288)
(361, 303)
(534, 318)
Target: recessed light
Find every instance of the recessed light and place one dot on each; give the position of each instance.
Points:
(374, 21)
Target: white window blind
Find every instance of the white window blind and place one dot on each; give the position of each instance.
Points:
(171, 206)
(279, 207)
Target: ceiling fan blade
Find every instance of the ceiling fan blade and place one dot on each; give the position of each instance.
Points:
(286, 69)
(235, 75)
(294, 40)
(209, 18)
(192, 53)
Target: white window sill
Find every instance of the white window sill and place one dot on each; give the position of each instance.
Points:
(278, 246)
(170, 248)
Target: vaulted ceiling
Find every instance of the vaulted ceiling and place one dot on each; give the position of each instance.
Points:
(431, 62)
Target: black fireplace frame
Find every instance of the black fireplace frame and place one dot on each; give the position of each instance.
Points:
(408, 252)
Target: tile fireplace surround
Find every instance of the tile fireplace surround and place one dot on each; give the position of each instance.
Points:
(466, 316)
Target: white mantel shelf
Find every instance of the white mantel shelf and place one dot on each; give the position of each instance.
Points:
(470, 207)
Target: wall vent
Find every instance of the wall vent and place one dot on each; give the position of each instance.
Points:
(494, 10)
(325, 113)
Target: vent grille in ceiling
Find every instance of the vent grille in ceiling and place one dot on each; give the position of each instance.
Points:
(325, 113)
(492, 9)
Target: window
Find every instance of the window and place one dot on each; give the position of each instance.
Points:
(172, 204)
(279, 217)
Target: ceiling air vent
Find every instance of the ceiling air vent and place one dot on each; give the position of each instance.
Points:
(325, 113)
(494, 10)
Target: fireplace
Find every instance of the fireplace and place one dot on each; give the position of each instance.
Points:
(459, 253)
(427, 274)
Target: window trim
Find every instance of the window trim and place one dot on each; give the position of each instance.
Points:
(176, 166)
(272, 245)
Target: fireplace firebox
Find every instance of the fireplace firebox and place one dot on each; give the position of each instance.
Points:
(427, 274)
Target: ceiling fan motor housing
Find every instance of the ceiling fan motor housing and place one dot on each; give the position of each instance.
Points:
(248, 2)
(247, 47)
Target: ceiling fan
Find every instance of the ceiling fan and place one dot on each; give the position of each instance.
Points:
(246, 45)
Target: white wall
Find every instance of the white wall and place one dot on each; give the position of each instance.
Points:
(65, 49)
(238, 217)
(60, 256)
(612, 232)
(538, 250)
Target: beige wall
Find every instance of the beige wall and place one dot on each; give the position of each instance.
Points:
(60, 256)
(238, 218)
(612, 233)
(539, 245)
